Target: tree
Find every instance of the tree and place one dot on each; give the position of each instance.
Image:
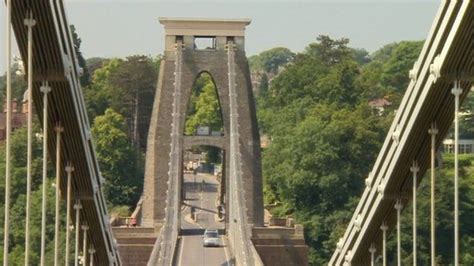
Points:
(330, 51)
(328, 150)
(386, 76)
(444, 211)
(271, 60)
(325, 72)
(18, 87)
(263, 88)
(395, 71)
(127, 86)
(134, 84)
(96, 94)
(204, 108)
(95, 63)
(18, 201)
(466, 125)
(324, 135)
(117, 159)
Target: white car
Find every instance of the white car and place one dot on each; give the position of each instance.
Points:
(210, 238)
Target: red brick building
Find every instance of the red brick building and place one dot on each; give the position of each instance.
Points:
(19, 116)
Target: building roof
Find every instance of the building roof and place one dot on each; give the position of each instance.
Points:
(381, 102)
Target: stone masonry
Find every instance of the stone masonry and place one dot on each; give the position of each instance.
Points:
(214, 62)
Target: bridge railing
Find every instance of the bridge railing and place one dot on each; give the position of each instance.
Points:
(45, 43)
(165, 245)
(441, 78)
(239, 228)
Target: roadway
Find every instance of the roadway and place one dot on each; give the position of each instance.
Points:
(203, 197)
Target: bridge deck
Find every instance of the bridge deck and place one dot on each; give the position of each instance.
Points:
(428, 98)
(54, 60)
(203, 197)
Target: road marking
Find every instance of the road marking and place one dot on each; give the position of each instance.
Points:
(181, 251)
(225, 252)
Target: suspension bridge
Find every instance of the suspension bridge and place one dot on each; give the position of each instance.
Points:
(440, 79)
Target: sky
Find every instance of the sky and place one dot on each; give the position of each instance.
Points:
(118, 28)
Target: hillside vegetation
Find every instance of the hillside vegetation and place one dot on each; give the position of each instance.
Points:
(325, 138)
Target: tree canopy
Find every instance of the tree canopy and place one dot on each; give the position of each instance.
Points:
(128, 86)
(204, 108)
(325, 138)
(270, 61)
(117, 160)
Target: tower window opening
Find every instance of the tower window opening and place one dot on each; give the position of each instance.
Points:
(204, 43)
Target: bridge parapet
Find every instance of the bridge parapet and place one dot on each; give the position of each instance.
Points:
(428, 108)
(53, 87)
(215, 141)
(281, 246)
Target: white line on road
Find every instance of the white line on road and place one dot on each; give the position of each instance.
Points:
(225, 252)
(181, 251)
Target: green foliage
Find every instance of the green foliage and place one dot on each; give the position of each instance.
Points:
(386, 75)
(395, 74)
(18, 202)
(444, 213)
(328, 51)
(117, 159)
(127, 86)
(324, 136)
(120, 210)
(121, 163)
(271, 60)
(466, 125)
(323, 153)
(263, 87)
(18, 88)
(204, 108)
(97, 93)
(324, 73)
(95, 63)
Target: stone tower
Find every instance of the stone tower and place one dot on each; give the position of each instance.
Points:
(213, 60)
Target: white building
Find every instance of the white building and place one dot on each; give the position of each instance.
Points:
(465, 146)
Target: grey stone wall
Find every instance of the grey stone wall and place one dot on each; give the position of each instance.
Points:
(156, 169)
